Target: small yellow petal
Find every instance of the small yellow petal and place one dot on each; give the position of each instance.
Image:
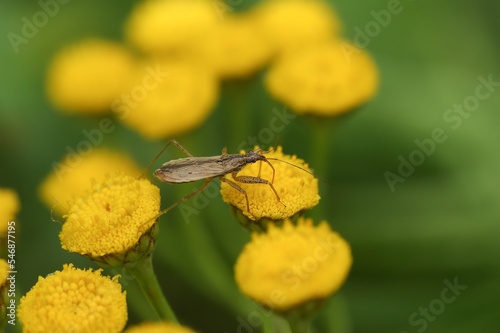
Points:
(297, 189)
(8, 209)
(288, 267)
(74, 300)
(235, 48)
(292, 24)
(176, 101)
(112, 217)
(73, 175)
(160, 26)
(324, 80)
(88, 76)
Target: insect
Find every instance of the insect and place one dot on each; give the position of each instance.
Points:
(190, 169)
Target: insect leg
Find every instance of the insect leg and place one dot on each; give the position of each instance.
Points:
(256, 180)
(187, 197)
(172, 141)
(237, 188)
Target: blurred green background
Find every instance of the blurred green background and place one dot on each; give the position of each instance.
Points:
(441, 223)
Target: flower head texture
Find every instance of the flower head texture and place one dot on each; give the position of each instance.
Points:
(88, 76)
(292, 24)
(324, 80)
(297, 189)
(112, 217)
(163, 26)
(8, 209)
(158, 327)
(72, 176)
(177, 102)
(235, 48)
(74, 300)
(288, 267)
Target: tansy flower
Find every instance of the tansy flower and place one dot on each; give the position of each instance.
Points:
(8, 209)
(235, 48)
(74, 300)
(4, 286)
(177, 103)
(162, 26)
(291, 24)
(297, 189)
(114, 223)
(292, 267)
(323, 80)
(88, 76)
(73, 175)
(158, 327)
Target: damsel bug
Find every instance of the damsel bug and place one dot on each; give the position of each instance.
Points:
(190, 169)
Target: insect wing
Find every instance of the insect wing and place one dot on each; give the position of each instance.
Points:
(185, 170)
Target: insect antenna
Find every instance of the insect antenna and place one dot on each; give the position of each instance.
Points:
(309, 172)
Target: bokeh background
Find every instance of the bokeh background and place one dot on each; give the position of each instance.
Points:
(441, 223)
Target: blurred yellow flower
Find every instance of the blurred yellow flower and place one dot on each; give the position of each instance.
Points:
(292, 266)
(88, 76)
(72, 177)
(297, 189)
(179, 102)
(291, 24)
(324, 80)
(5, 305)
(158, 327)
(8, 209)
(74, 300)
(163, 26)
(236, 48)
(112, 217)
(4, 268)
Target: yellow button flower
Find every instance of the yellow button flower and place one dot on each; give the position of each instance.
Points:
(8, 209)
(324, 80)
(158, 327)
(176, 104)
(112, 218)
(4, 267)
(88, 76)
(291, 267)
(5, 305)
(74, 300)
(291, 24)
(235, 48)
(71, 177)
(160, 26)
(297, 189)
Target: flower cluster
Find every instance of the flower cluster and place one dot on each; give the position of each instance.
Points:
(163, 80)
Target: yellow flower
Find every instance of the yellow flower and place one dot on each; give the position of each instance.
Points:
(8, 209)
(235, 48)
(74, 300)
(158, 327)
(291, 267)
(297, 189)
(4, 294)
(291, 24)
(88, 76)
(324, 80)
(161, 26)
(72, 177)
(4, 268)
(112, 219)
(177, 103)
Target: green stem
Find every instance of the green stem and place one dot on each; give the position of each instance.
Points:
(143, 272)
(321, 132)
(299, 324)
